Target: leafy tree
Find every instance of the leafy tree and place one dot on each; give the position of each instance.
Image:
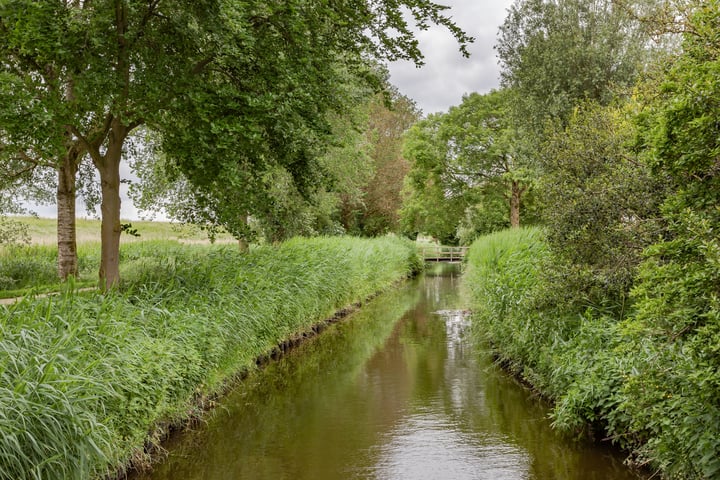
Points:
(375, 211)
(233, 88)
(602, 207)
(557, 53)
(469, 154)
(481, 144)
(568, 60)
(272, 207)
(429, 207)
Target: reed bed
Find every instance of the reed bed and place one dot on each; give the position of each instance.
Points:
(88, 380)
(502, 281)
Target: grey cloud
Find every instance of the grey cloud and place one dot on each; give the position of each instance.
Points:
(446, 75)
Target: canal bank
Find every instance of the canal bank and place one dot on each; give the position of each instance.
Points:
(396, 391)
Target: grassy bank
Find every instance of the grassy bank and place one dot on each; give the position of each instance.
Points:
(32, 267)
(87, 379)
(612, 379)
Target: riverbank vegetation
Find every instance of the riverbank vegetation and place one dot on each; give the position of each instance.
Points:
(87, 379)
(610, 308)
(640, 379)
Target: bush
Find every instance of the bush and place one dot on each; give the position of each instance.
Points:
(649, 382)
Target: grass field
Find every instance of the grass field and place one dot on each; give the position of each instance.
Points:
(32, 268)
(43, 231)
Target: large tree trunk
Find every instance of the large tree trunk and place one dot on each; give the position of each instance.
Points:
(243, 243)
(515, 194)
(110, 209)
(66, 231)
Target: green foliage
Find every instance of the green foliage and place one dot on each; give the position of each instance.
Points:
(463, 159)
(239, 93)
(267, 134)
(673, 395)
(558, 53)
(619, 321)
(488, 215)
(601, 205)
(432, 212)
(376, 210)
(649, 382)
(85, 377)
(571, 358)
(12, 231)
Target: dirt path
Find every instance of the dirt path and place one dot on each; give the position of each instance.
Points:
(10, 301)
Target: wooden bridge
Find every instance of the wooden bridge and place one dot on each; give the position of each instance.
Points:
(441, 253)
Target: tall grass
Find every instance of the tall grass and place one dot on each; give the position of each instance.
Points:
(502, 281)
(87, 378)
(33, 267)
(614, 379)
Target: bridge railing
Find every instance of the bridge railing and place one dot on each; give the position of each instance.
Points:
(441, 253)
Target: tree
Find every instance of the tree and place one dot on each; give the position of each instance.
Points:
(557, 53)
(272, 207)
(428, 206)
(231, 87)
(567, 60)
(482, 146)
(469, 153)
(601, 207)
(374, 210)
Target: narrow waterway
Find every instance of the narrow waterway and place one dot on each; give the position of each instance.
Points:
(397, 391)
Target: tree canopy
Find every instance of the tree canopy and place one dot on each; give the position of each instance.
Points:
(558, 53)
(465, 157)
(235, 90)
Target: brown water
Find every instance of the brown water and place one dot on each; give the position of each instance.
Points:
(397, 391)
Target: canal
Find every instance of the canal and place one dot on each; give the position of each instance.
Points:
(396, 391)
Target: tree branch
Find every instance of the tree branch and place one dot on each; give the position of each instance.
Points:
(92, 147)
(200, 66)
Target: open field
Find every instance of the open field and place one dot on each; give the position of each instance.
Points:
(43, 231)
(33, 268)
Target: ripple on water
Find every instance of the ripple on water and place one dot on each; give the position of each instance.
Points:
(429, 447)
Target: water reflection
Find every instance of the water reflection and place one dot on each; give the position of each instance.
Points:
(396, 392)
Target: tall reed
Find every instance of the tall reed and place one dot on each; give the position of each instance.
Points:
(87, 378)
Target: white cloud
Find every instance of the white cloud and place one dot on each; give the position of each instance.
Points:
(447, 75)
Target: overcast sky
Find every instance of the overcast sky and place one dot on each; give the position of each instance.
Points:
(447, 75)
